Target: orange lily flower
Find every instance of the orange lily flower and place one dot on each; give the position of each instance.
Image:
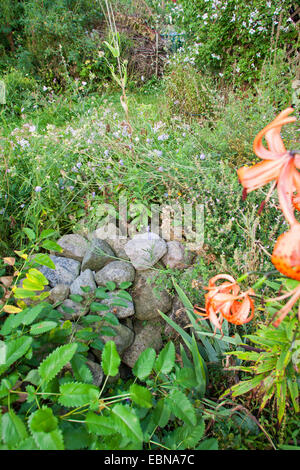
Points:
(226, 301)
(279, 165)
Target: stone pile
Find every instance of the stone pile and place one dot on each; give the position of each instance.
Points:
(94, 261)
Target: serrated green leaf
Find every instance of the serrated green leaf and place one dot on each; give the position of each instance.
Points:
(80, 369)
(194, 435)
(140, 395)
(208, 444)
(110, 359)
(30, 233)
(166, 359)
(125, 285)
(13, 430)
(100, 425)
(76, 298)
(43, 420)
(42, 327)
(161, 413)
(53, 363)
(76, 394)
(49, 441)
(127, 423)
(182, 407)
(145, 363)
(107, 331)
(13, 350)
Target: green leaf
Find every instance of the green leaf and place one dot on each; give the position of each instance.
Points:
(127, 423)
(119, 303)
(42, 327)
(80, 369)
(47, 233)
(30, 233)
(182, 407)
(110, 359)
(111, 285)
(111, 318)
(244, 386)
(125, 285)
(186, 377)
(145, 363)
(107, 331)
(43, 420)
(97, 307)
(13, 350)
(20, 293)
(208, 444)
(44, 260)
(194, 435)
(76, 394)
(100, 425)
(50, 245)
(13, 430)
(124, 295)
(199, 366)
(76, 298)
(166, 359)
(53, 363)
(140, 395)
(161, 413)
(100, 293)
(49, 441)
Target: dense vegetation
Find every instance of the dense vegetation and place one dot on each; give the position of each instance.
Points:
(209, 76)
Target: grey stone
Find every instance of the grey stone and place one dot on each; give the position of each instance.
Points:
(118, 310)
(123, 339)
(79, 310)
(97, 372)
(177, 256)
(59, 293)
(86, 279)
(97, 255)
(149, 298)
(145, 249)
(147, 336)
(112, 235)
(117, 272)
(74, 246)
(65, 272)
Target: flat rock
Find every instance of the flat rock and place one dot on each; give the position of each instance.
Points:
(177, 256)
(98, 254)
(112, 235)
(148, 336)
(65, 272)
(86, 279)
(74, 246)
(117, 272)
(145, 249)
(149, 298)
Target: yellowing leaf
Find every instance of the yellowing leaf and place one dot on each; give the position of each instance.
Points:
(11, 309)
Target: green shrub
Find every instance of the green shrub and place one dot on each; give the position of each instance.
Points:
(234, 38)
